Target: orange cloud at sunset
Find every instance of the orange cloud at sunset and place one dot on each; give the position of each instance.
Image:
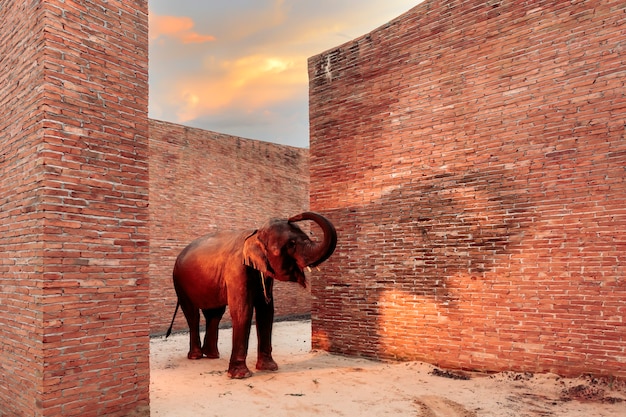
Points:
(241, 67)
(250, 83)
(180, 28)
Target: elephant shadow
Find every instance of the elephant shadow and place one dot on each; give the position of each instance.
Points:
(413, 241)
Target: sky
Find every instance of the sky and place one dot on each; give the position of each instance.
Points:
(240, 66)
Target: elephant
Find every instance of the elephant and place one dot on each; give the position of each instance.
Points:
(237, 269)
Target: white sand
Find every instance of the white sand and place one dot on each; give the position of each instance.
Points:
(319, 384)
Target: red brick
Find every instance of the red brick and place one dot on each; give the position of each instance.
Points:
(446, 146)
(52, 117)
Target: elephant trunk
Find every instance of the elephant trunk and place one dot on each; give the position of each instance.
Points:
(318, 252)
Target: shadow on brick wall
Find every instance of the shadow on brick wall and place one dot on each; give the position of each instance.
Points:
(408, 245)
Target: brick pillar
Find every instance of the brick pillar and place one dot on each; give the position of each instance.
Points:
(73, 208)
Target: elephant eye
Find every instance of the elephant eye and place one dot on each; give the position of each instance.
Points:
(291, 244)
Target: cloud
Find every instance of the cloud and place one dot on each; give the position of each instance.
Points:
(177, 27)
(250, 84)
(281, 122)
(251, 70)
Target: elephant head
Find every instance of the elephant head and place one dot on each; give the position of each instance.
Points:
(281, 250)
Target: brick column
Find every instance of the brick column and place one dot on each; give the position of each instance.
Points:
(73, 208)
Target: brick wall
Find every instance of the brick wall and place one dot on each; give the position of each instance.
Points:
(472, 155)
(201, 182)
(74, 208)
(21, 229)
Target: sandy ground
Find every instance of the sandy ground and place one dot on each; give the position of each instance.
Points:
(319, 384)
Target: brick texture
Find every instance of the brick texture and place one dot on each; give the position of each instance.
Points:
(21, 228)
(74, 208)
(472, 155)
(201, 182)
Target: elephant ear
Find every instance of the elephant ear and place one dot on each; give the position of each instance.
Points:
(254, 254)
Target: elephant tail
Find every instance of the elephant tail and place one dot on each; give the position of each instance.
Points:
(169, 331)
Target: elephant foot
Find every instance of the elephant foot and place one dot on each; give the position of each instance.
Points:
(211, 354)
(194, 354)
(266, 363)
(239, 371)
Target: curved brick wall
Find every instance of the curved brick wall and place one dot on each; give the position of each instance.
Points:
(472, 155)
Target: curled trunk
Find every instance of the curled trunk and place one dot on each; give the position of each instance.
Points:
(320, 251)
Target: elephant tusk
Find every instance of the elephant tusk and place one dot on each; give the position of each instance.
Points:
(318, 268)
(308, 268)
(267, 299)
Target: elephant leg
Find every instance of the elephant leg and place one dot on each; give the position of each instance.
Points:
(264, 324)
(212, 317)
(242, 320)
(192, 314)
